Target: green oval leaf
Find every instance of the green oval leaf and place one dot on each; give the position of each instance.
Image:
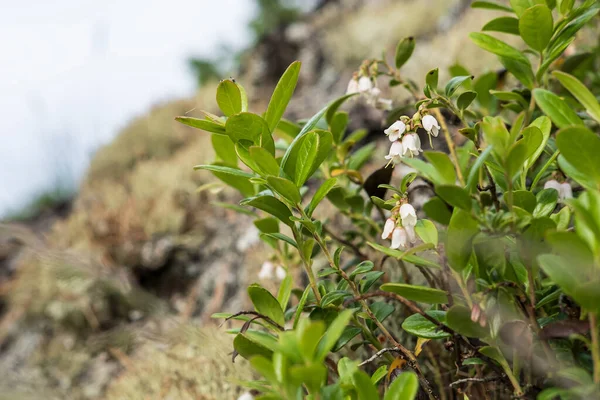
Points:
(580, 92)
(465, 99)
(420, 294)
(503, 24)
(536, 25)
(281, 95)
(229, 97)
(454, 195)
(459, 239)
(404, 387)
(581, 148)
(263, 159)
(556, 108)
(427, 231)
(420, 326)
(490, 5)
(333, 333)
(454, 83)
(265, 303)
(320, 195)
(271, 205)
(285, 188)
(404, 50)
(203, 124)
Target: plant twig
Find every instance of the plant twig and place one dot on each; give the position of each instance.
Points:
(379, 354)
(476, 380)
(595, 346)
(258, 315)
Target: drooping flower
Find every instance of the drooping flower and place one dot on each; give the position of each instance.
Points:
(388, 228)
(431, 125)
(352, 86)
(411, 144)
(408, 215)
(266, 271)
(399, 238)
(246, 396)
(280, 272)
(395, 130)
(410, 232)
(564, 189)
(395, 153)
(383, 104)
(365, 85)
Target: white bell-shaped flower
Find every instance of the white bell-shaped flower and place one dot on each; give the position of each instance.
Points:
(410, 232)
(389, 226)
(408, 215)
(280, 273)
(266, 271)
(395, 153)
(365, 85)
(399, 238)
(411, 144)
(395, 130)
(383, 104)
(352, 86)
(246, 396)
(564, 189)
(431, 125)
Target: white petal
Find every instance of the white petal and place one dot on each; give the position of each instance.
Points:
(388, 228)
(565, 192)
(266, 271)
(246, 396)
(384, 104)
(364, 84)
(399, 238)
(393, 136)
(280, 272)
(408, 215)
(429, 123)
(410, 231)
(395, 149)
(352, 86)
(435, 131)
(553, 184)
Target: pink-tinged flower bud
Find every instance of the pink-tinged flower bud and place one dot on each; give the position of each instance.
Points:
(475, 313)
(352, 86)
(389, 226)
(564, 189)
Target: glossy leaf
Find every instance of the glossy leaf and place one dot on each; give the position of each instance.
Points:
(203, 124)
(265, 303)
(271, 205)
(459, 239)
(580, 147)
(427, 231)
(281, 95)
(465, 99)
(229, 97)
(556, 108)
(419, 326)
(454, 83)
(320, 194)
(285, 188)
(504, 25)
(404, 387)
(264, 161)
(443, 165)
(580, 92)
(458, 318)
(490, 5)
(454, 195)
(520, 6)
(421, 294)
(404, 50)
(333, 333)
(225, 149)
(536, 26)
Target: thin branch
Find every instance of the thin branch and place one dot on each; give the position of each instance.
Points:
(476, 380)
(379, 354)
(258, 315)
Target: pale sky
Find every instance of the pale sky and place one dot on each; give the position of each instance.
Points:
(73, 72)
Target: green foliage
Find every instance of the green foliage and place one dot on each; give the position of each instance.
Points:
(508, 261)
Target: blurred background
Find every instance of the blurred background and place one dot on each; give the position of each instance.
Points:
(113, 253)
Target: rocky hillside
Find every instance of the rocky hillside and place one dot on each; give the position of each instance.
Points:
(114, 300)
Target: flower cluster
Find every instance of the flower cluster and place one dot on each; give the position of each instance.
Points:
(364, 84)
(268, 271)
(404, 138)
(400, 227)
